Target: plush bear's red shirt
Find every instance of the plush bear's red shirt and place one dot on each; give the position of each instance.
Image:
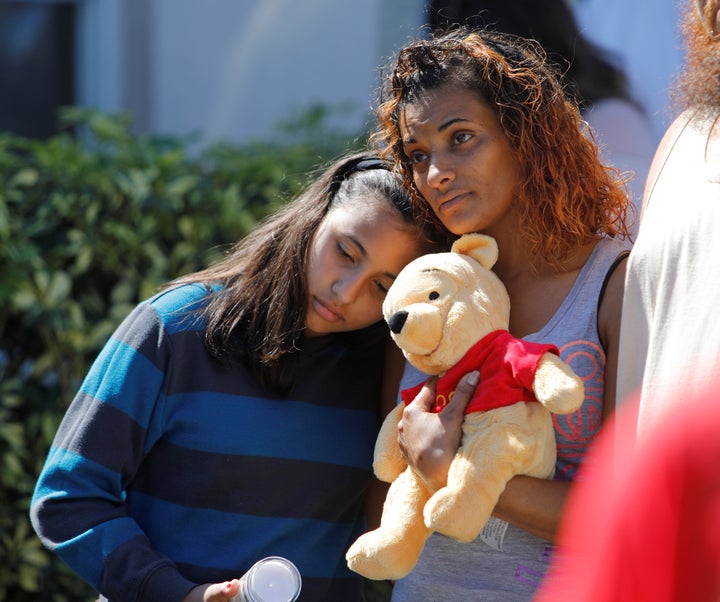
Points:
(507, 368)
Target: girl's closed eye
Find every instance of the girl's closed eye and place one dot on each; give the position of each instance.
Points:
(344, 253)
(382, 287)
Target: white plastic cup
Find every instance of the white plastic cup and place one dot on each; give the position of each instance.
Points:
(272, 579)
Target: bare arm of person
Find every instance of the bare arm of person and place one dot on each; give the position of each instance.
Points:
(609, 327)
(536, 505)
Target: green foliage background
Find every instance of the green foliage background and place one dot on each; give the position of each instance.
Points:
(92, 221)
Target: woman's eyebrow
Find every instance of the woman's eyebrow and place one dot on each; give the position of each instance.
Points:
(441, 128)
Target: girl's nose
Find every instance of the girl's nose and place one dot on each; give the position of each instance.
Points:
(346, 289)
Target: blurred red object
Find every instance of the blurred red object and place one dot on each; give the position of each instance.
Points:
(643, 521)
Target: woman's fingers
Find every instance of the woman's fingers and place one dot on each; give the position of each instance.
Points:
(455, 409)
(428, 440)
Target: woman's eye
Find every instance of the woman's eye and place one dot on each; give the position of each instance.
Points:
(416, 156)
(434, 295)
(462, 137)
(381, 287)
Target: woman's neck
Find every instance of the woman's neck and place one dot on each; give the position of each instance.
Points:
(537, 290)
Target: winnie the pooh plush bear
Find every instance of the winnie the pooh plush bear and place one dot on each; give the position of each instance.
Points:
(449, 313)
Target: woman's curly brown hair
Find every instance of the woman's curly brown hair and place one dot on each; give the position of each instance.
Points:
(567, 196)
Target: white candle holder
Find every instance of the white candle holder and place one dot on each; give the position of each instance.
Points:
(272, 579)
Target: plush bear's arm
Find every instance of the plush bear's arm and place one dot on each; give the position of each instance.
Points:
(556, 386)
(388, 462)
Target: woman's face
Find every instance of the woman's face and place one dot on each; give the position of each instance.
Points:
(461, 160)
(354, 257)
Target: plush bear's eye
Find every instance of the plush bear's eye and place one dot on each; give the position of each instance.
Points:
(434, 295)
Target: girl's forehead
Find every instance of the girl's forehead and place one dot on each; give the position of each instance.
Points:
(377, 226)
(360, 206)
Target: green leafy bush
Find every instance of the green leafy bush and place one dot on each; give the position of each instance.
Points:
(90, 224)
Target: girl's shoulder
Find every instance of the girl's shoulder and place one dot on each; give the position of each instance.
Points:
(179, 295)
(176, 305)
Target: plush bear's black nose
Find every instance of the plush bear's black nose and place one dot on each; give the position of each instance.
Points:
(397, 321)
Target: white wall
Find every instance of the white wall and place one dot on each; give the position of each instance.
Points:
(232, 69)
(99, 54)
(644, 35)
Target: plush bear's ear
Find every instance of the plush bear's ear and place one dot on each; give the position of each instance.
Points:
(480, 247)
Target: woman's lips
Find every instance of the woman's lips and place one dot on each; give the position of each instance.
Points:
(448, 201)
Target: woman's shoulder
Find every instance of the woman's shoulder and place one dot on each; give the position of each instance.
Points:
(608, 251)
(602, 266)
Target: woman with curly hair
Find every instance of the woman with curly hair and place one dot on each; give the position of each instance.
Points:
(487, 141)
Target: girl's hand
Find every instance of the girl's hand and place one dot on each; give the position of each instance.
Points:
(429, 441)
(214, 592)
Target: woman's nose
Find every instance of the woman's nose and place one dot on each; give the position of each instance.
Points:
(439, 173)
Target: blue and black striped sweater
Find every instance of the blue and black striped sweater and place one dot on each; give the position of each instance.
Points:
(171, 469)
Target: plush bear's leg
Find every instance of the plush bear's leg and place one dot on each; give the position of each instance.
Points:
(388, 462)
(393, 549)
(496, 446)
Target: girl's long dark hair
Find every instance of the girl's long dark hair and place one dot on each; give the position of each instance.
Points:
(257, 307)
